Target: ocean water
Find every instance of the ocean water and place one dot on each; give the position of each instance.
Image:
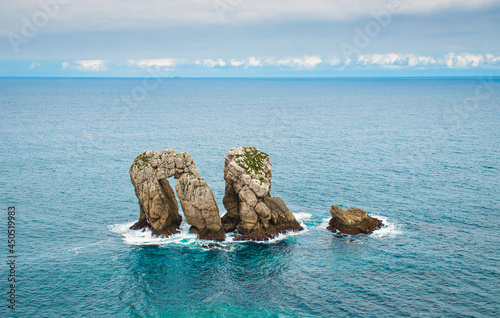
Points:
(421, 154)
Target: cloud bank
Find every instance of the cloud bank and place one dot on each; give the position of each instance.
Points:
(389, 61)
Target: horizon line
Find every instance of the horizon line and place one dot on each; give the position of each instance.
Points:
(259, 77)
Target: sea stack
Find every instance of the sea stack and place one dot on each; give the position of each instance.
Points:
(250, 208)
(158, 206)
(352, 221)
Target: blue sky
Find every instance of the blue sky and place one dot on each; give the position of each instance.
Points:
(212, 38)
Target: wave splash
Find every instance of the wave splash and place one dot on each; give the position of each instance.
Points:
(389, 229)
(144, 237)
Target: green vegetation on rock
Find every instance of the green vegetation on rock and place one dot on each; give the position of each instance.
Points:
(252, 160)
(141, 161)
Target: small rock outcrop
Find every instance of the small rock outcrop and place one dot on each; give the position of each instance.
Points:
(352, 221)
(250, 208)
(214, 245)
(158, 206)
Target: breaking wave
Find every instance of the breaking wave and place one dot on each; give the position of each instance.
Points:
(186, 238)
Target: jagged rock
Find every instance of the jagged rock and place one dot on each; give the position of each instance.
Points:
(199, 206)
(159, 208)
(250, 208)
(352, 221)
(158, 205)
(142, 223)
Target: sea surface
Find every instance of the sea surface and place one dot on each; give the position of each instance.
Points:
(422, 154)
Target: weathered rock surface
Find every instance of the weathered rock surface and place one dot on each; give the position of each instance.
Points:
(159, 208)
(352, 221)
(158, 205)
(199, 206)
(250, 208)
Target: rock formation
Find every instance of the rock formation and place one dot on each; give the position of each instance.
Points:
(352, 221)
(199, 206)
(250, 208)
(214, 245)
(158, 205)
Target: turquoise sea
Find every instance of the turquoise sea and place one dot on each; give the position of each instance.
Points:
(422, 154)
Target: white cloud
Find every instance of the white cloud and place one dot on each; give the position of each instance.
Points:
(491, 59)
(167, 64)
(395, 61)
(34, 64)
(209, 63)
(236, 63)
(313, 62)
(420, 61)
(253, 61)
(464, 60)
(383, 60)
(450, 60)
(307, 62)
(221, 63)
(468, 60)
(90, 65)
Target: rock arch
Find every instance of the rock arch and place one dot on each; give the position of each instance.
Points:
(158, 206)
